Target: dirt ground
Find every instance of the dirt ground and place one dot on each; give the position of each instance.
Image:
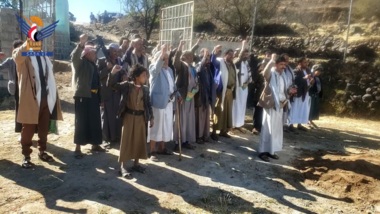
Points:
(333, 169)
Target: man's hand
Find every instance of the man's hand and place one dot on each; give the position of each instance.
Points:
(134, 42)
(217, 49)
(2, 55)
(206, 53)
(116, 69)
(181, 44)
(180, 100)
(164, 49)
(151, 123)
(109, 65)
(293, 91)
(125, 77)
(274, 57)
(198, 41)
(83, 39)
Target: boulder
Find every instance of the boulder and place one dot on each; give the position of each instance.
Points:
(374, 104)
(350, 103)
(367, 98)
(355, 89)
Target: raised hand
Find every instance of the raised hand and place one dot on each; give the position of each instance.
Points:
(181, 44)
(109, 65)
(217, 49)
(164, 48)
(83, 39)
(198, 41)
(116, 69)
(274, 57)
(244, 43)
(206, 53)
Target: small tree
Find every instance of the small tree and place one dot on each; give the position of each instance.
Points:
(13, 4)
(237, 15)
(146, 12)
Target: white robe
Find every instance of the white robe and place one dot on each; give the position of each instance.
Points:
(240, 101)
(271, 136)
(289, 79)
(162, 130)
(299, 113)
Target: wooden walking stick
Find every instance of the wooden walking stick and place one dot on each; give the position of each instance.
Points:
(178, 120)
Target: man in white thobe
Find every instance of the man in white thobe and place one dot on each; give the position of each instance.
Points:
(271, 136)
(289, 81)
(162, 90)
(243, 78)
(299, 113)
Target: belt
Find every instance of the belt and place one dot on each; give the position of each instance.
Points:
(133, 112)
(231, 88)
(95, 91)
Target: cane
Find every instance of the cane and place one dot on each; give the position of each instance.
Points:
(179, 130)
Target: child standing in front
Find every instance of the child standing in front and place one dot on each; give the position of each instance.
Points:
(135, 111)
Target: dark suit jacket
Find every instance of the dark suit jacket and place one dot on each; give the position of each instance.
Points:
(106, 92)
(182, 71)
(314, 89)
(301, 83)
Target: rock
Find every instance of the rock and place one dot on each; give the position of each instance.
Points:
(368, 90)
(377, 98)
(355, 89)
(367, 98)
(356, 98)
(374, 104)
(306, 42)
(349, 103)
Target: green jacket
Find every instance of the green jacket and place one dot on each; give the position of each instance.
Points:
(84, 71)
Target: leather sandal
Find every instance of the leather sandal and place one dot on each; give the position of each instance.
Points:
(274, 156)
(264, 157)
(27, 164)
(138, 168)
(45, 157)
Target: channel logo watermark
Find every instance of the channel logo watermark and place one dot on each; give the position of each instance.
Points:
(30, 27)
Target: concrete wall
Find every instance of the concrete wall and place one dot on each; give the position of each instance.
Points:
(62, 32)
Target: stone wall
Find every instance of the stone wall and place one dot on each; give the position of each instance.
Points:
(350, 89)
(9, 32)
(324, 47)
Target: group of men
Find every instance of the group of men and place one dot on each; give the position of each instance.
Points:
(189, 90)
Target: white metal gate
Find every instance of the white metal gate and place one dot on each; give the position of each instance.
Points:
(177, 24)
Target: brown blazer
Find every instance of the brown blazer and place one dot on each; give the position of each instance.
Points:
(266, 99)
(28, 109)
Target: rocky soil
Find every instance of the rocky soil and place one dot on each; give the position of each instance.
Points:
(332, 169)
